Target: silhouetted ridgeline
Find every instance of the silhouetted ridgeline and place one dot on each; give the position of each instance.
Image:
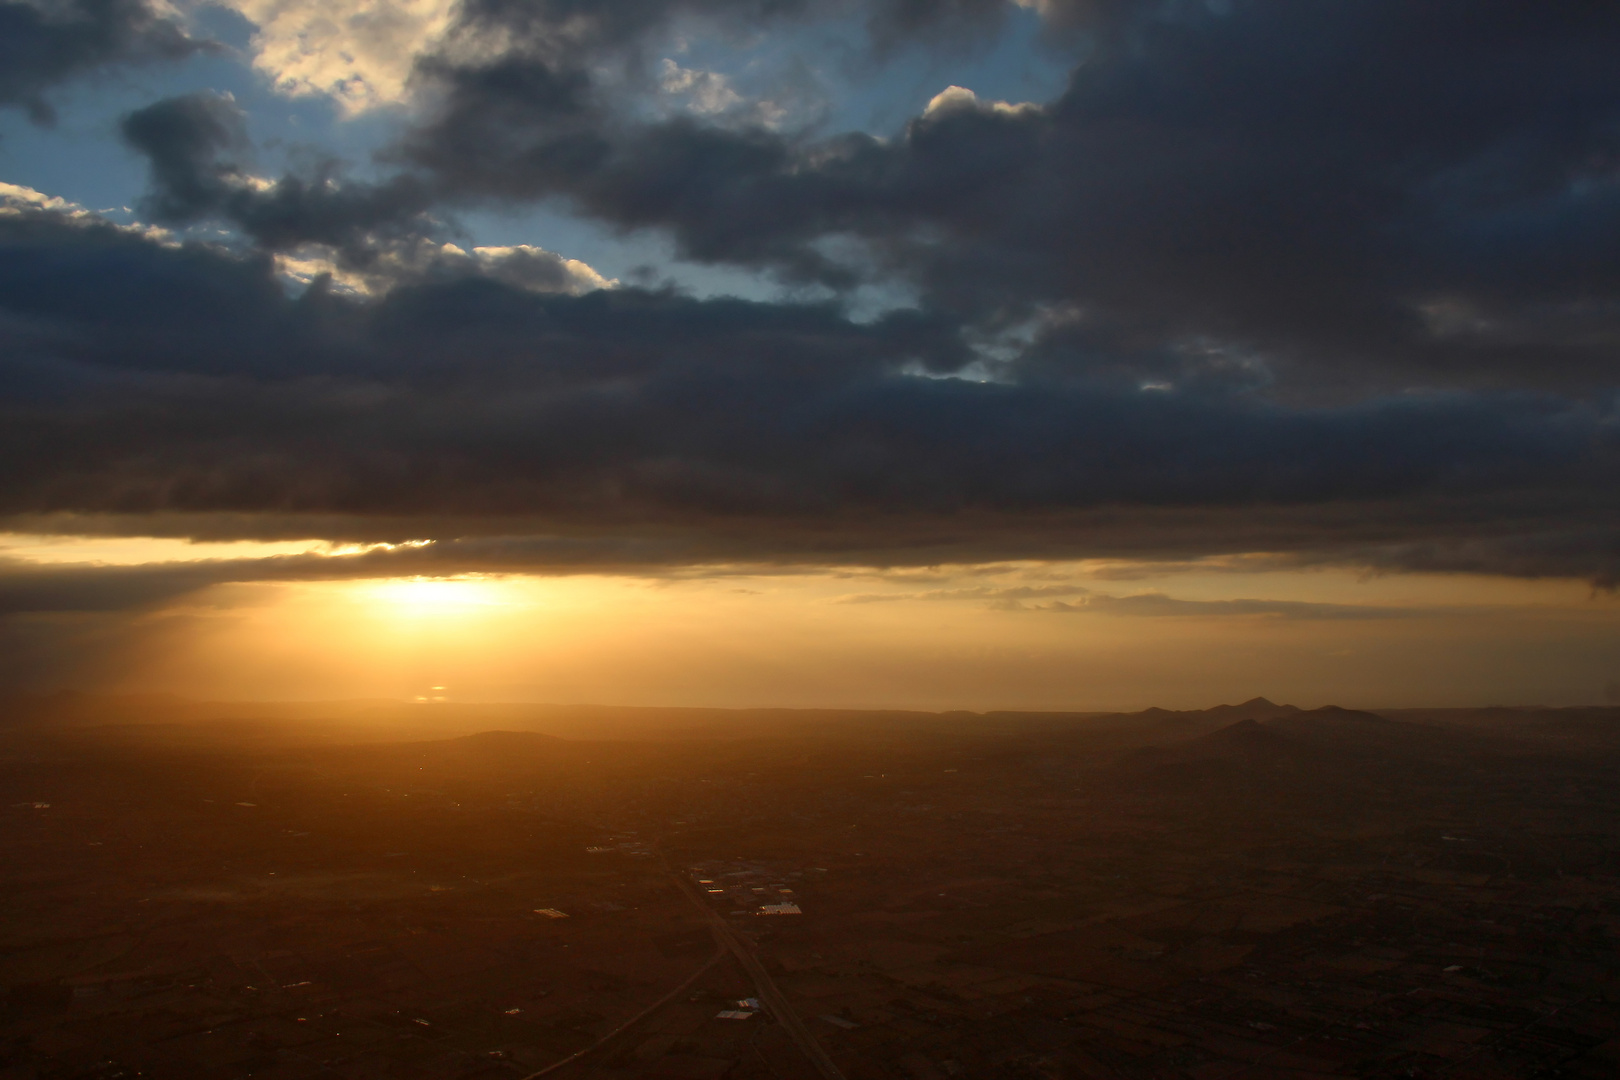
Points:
(172, 718)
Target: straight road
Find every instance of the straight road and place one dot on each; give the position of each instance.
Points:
(768, 993)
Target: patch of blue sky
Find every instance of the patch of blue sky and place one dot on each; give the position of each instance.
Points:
(81, 157)
(879, 92)
(824, 73)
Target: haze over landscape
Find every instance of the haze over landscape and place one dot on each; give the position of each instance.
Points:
(703, 539)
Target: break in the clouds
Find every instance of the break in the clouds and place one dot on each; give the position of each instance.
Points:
(1336, 281)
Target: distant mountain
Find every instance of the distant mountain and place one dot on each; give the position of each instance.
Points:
(1161, 727)
(1329, 763)
(1292, 731)
(173, 719)
(1254, 709)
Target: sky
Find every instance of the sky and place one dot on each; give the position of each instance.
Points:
(904, 353)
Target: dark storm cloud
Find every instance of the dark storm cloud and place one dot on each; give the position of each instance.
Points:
(47, 42)
(1339, 192)
(1590, 553)
(470, 397)
(141, 377)
(193, 144)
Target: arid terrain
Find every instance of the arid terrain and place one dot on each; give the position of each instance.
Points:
(366, 889)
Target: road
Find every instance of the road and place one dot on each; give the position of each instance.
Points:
(768, 993)
(630, 1023)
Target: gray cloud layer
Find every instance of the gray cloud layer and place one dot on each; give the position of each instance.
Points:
(1334, 279)
(143, 377)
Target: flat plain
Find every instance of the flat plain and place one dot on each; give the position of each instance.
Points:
(370, 890)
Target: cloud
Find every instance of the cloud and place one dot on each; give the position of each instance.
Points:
(1152, 604)
(959, 99)
(364, 54)
(527, 267)
(1430, 200)
(367, 237)
(1158, 605)
(146, 377)
(358, 52)
(707, 92)
(17, 199)
(1009, 595)
(791, 98)
(1327, 282)
(421, 260)
(44, 43)
(196, 144)
(1591, 552)
(28, 588)
(31, 587)
(20, 201)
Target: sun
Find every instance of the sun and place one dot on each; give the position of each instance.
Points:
(439, 596)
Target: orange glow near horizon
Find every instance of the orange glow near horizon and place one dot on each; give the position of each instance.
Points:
(1021, 636)
(1025, 635)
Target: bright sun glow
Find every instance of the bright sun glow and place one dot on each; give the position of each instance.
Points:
(439, 596)
(1007, 636)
